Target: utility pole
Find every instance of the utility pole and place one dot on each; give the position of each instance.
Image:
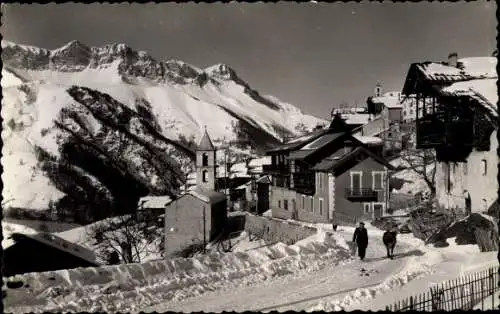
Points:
(204, 230)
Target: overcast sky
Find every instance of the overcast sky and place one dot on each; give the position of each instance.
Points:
(314, 56)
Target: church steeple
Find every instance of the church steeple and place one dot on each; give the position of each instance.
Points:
(206, 142)
(205, 164)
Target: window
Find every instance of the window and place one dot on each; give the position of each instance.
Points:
(318, 180)
(279, 203)
(303, 202)
(378, 180)
(312, 205)
(465, 168)
(205, 176)
(484, 167)
(285, 204)
(411, 111)
(204, 159)
(321, 206)
(356, 181)
(366, 208)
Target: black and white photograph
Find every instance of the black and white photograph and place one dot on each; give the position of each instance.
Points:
(233, 156)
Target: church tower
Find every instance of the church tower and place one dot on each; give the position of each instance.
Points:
(205, 164)
(378, 90)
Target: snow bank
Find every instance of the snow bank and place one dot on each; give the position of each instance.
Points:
(9, 228)
(135, 286)
(432, 267)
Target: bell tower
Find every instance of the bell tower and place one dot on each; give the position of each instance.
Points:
(378, 90)
(205, 164)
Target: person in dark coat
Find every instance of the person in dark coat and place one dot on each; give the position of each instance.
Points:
(360, 237)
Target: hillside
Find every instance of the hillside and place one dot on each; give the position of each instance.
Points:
(88, 127)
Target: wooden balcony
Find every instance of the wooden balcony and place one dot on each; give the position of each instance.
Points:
(275, 169)
(432, 132)
(361, 195)
(304, 183)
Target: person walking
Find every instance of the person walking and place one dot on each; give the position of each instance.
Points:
(360, 237)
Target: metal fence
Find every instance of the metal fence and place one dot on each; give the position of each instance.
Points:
(466, 293)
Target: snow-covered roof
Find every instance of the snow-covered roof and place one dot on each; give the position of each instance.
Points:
(322, 141)
(467, 68)
(483, 90)
(480, 66)
(60, 244)
(154, 201)
(334, 163)
(258, 162)
(208, 196)
(356, 118)
(263, 179)
(390, 100)
(368, 139)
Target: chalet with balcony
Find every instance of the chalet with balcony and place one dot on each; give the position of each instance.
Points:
(327, 175)
(456, 115)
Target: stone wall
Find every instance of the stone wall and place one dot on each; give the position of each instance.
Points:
(275, 230)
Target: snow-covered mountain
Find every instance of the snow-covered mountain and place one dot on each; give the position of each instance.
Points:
(93, 123)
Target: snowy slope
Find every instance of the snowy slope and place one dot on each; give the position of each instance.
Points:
(177, 98)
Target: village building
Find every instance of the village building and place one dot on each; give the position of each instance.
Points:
(198, 216)
(387, 120)
(42, 252)
(329, 175)
(456, 116)
(253, 195)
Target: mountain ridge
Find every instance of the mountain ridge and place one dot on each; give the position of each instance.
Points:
(156, 110)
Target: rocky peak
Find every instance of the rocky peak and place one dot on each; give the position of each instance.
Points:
(222, 71)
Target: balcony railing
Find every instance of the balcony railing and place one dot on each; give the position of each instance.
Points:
(304, 183)
(432, 132)
(361, 195)
(270, 169)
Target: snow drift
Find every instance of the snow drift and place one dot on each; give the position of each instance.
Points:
(134, 286)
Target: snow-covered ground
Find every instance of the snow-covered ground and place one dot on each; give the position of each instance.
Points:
(317, 273)
(434, 266)
(84, 236)
(134, 287)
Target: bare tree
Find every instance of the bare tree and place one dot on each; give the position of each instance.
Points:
(422, 162)
(132, 237)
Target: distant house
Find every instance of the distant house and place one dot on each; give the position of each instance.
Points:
(456, 115)
(44, 252)
(254, 195)
(328, 176)
(198, 216)
(153, 207)
(387, 111)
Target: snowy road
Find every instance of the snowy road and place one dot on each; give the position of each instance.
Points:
(300, 293)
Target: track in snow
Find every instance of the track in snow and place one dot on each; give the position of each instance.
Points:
(300, 293)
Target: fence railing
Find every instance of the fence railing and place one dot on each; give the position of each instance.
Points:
(344, 219)
(465, 293)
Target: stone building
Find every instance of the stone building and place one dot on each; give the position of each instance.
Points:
(198, 216)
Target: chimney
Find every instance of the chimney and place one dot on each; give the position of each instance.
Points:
(453, 59)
